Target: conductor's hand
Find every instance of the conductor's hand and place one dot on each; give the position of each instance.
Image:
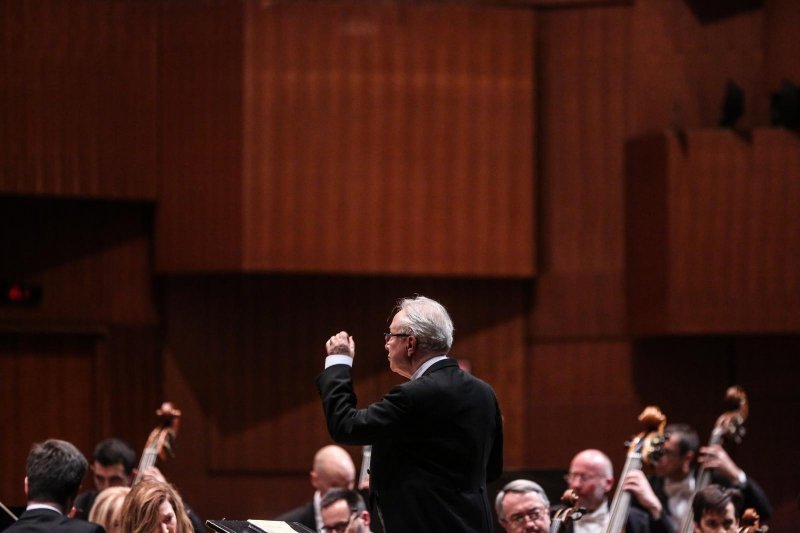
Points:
(341, 344)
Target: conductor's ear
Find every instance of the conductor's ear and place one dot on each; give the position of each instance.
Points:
(412, 345)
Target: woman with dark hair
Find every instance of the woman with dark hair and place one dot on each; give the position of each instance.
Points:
(154, 507)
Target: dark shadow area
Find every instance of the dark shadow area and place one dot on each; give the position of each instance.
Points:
(253, 344)
(41, 233)
(708, 11)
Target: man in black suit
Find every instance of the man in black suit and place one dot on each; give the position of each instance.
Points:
(436, 439)
(591, 476)
(55, 470)
(675, 479)
(333, 468)
(113, 465)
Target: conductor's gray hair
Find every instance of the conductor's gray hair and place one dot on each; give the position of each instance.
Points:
(428, 321)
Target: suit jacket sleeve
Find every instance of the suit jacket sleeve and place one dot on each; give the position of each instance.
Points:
(348, 425)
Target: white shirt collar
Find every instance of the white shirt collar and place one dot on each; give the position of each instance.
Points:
(427, 364)
(32, 506)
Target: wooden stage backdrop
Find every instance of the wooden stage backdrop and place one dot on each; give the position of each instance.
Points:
(205, 191)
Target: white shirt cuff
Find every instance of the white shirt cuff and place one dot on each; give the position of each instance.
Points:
(338, 360)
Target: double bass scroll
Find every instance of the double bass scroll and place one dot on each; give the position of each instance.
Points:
(161, 440)
(643, 448)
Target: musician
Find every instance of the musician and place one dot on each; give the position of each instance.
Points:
(114, 465)
(332, 468)
(55, 469)
(591, 476)
(107, 508)
(523, 506)
(675, 474)
(344, 511)
(716, 510)
(154, 507)
(436, 438)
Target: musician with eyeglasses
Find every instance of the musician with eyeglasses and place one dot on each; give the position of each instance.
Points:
(436, 438)
(523, 506)
(591, 477)
(344, 511)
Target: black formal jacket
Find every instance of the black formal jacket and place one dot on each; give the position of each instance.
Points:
(435, 442)
(46, 520)
(303, 515)
(754, 496)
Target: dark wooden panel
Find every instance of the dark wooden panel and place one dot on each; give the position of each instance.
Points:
(363, 125)
(78, 98)
(48, 392)
(200, 217)
(92, 259)
(682, 55)
(729, 243)
(581, 396)
(582, 93)
(781, 61)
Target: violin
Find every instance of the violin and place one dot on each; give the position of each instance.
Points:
(729, 426)
(161, 440)
(568, 514)
(644, 448)
(751, 522)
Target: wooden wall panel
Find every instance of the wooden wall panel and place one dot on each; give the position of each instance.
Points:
(371, 125)
(582, 98)
(361, 125)
(200, 216)
(252, 403)
(79, 96)
(681, 56)
(725, 233)
(38, 403)
(581, 396)
(781, 18)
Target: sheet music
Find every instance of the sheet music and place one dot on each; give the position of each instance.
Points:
(272, 526)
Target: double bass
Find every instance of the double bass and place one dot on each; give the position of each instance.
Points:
(161, 441)
(729, 426)
(643, 448)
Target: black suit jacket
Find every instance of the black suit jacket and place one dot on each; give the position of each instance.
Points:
(754, 496)
(46, 520)
(304, 515)
(435, 442)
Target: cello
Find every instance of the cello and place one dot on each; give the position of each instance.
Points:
(729, 425)
(643, 448)
(161, 440)
(570, 513)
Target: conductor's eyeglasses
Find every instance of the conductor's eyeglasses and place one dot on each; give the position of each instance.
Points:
(387, 336)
